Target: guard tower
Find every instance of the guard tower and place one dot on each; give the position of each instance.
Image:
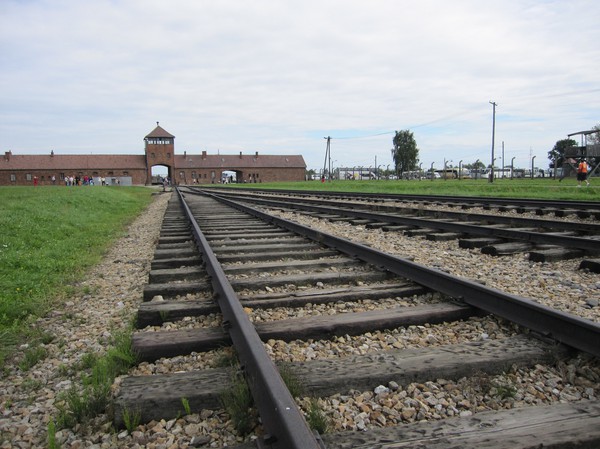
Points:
(588, 152)
(160, 148)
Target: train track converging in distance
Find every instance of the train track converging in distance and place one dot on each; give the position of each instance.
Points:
(503, 233)
(351, 321)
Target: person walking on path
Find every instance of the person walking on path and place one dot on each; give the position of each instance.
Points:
(582, 171)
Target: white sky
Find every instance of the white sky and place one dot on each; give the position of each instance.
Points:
(278, 76)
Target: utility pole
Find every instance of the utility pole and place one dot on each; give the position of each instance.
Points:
(493, 103)
(502, 159)
(327, 158)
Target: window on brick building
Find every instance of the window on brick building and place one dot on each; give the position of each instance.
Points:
(28, 176)
(13, 177)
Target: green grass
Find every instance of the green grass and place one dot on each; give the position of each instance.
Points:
(50, 237)
(538, 188)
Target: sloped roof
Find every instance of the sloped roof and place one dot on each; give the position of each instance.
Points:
(159, 132)
(66, 162)
(244, 161)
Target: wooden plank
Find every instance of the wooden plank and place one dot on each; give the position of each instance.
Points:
(171, 290)
(224, 245)
(350, 295)
(176, 262)
(170, 253)
(165, 275)
(478, 242)
(302, 253)
(154, 313)
(268, 233)
(590, 264)
(567, 425)
(327, 278)
(555, 254)
(159, 396)
(443, 236)
(271, 247)
(154, 345)
(292, 265)
(504, 249)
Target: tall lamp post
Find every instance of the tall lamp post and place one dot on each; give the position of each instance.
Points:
(512, 167)
(493, 138)
(420, 170)
(532, 159)
(431, 171)
(460, 169)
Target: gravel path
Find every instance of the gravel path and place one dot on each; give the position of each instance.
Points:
(28, 400)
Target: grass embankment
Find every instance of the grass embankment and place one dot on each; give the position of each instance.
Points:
(539, 188)
(50, 237)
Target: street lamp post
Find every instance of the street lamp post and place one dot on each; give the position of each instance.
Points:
(477, 169)
(493, 138)
(532, 159)
(431, 171)
(512, 167)
(460, 169)
(420, 170)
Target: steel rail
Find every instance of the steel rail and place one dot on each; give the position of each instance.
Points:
(582, 205)
(571, 330)
(285, 426)
(518, 221)
(592, 245)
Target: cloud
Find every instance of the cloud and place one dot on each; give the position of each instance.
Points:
(279, 76)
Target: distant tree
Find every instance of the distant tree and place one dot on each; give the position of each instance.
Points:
(477, 165)
(558, 152)
(405, 152)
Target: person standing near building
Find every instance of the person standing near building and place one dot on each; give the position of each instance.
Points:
(582, 171)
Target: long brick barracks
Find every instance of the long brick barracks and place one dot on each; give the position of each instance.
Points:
(186, 168)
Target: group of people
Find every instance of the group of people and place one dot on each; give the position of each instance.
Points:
(83, 181)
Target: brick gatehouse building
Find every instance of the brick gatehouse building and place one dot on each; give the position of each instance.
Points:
(186, 168)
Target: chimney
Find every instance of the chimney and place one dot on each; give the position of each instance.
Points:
(240, 154)
(184, 154)
(256, 154)
(7, 155)
(52, 153)
(204, 155)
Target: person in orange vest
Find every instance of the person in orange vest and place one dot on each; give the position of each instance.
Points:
(582, 171)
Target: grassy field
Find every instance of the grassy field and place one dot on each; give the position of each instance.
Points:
(540, 188)
(50, 237)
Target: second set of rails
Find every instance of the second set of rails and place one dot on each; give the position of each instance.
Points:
(236, 259)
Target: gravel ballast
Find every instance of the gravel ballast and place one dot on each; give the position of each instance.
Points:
(29, 399)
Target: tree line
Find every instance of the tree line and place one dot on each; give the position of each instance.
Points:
(405, 152)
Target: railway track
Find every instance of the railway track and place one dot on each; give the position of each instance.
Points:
(543, 239)
(561, 208)
(276, 268)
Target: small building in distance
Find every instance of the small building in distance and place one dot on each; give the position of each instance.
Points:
(186, 168)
